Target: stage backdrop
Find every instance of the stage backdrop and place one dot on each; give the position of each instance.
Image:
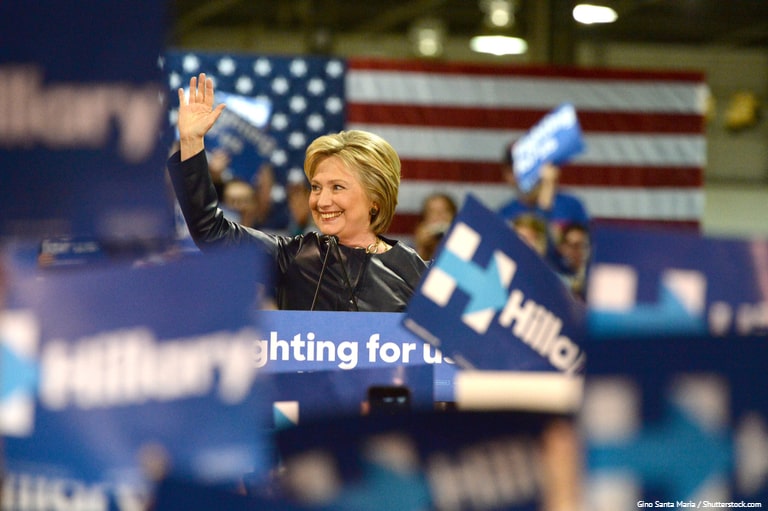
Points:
(643, 131)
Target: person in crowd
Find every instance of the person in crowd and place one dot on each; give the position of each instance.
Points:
(218, 166)
(267, 215)
(238, 200)
(574, 247)
(354, 178)
(297, 196)
(437, 213)
(545, 199)
(532, 229)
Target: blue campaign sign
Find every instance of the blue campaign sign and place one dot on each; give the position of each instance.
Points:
(682, 421)
(555, 139)
(292, 341)
(106, 368)
(490, 302)
(645, 283)
(241, 133)
(82, 121)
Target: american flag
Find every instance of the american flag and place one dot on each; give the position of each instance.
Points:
(644, 131)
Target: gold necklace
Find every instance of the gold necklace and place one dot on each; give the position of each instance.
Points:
(373, 248)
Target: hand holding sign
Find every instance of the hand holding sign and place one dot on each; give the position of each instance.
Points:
(555, 139)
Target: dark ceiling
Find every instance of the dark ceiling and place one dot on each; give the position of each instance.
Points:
(735, 23)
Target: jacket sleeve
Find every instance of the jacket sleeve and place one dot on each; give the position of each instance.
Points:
(199, 204)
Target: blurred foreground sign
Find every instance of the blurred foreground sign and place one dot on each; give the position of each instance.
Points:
(81, 119)
(645, 284)
(106, 369)
(679, 419)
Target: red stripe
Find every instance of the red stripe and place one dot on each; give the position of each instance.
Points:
(632, 176)
(520, 119)
(405, 224)
(570, 175)
(373, 64)
(458, 171)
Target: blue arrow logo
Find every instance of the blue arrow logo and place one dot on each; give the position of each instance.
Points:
(667, 316)
(675, 454)
(483, 285)
(17, 374)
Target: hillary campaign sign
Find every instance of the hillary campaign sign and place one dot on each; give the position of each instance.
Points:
(648, 283)
(81, 121)
(490, 302)
(107, 368)
(679, 423)
(300, 341)
(554, 139)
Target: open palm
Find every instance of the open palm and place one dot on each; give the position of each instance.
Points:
(196, 113)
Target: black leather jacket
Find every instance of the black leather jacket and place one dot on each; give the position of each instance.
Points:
(343, 278)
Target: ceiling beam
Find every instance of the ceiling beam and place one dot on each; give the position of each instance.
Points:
(394, 16)
(189, 20)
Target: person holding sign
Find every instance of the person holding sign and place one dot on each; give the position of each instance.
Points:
(531, 167)
(557, 208)
(354, 178)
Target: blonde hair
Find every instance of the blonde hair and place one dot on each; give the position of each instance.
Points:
(372, 159)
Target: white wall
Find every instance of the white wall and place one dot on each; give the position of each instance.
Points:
(736, 210)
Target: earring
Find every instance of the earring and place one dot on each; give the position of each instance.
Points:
(373, 212)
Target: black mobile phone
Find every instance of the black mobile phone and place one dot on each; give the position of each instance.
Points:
(388, 399)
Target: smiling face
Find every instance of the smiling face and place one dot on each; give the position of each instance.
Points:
(339, 203)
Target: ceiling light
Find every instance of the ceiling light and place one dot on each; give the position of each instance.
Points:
(498, 45)
(427, 36)
(589, 14)
(498, 13)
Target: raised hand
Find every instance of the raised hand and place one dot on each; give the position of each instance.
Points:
(196, 115)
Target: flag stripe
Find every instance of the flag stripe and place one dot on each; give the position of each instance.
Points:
(484, 145)
(570, 175)
(466, 68)
(520, 119)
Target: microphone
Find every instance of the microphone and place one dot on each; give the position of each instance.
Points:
(326, 240)
(329, 238)
(335, 244)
